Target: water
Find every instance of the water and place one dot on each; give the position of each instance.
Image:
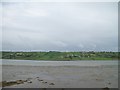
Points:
(59, 63)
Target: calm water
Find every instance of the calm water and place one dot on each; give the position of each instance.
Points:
(58, 63)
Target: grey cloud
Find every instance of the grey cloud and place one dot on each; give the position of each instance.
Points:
(60, 26)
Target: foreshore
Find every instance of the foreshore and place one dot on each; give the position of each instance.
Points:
(101, 74)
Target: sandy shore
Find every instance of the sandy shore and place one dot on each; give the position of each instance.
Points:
(71, 76)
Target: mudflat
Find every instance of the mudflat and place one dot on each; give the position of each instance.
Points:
(98, 75)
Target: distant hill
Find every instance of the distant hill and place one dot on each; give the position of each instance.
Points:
(54, 55)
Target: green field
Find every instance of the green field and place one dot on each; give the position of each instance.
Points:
(67, 56)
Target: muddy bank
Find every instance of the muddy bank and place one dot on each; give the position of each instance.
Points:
(101, 76)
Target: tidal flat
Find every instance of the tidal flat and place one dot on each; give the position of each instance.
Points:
(57, 74)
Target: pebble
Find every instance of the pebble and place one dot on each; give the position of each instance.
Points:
(106, 88)
(29, 81)
(40, 80)
(51, 84)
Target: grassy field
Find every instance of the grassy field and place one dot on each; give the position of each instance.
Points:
(53, 55)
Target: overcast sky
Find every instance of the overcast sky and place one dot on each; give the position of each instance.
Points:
(60, 26)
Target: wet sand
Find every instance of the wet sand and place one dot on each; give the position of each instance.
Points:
(56, 76)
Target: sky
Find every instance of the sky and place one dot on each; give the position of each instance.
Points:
(60, 26)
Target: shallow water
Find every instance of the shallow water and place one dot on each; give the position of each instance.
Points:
(59, 63)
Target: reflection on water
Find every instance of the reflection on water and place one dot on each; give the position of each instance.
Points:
(58, 63)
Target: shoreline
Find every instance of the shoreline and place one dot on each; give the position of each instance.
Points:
(62, 60)
(58, 63)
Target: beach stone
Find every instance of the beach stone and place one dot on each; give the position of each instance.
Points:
(40, 80)
(106, 88)
(20, 81)
(43, 82)
(29, 81)
(51, 84)
(5, 83)
(25, 80)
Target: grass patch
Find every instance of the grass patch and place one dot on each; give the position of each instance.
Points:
(60, 56)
